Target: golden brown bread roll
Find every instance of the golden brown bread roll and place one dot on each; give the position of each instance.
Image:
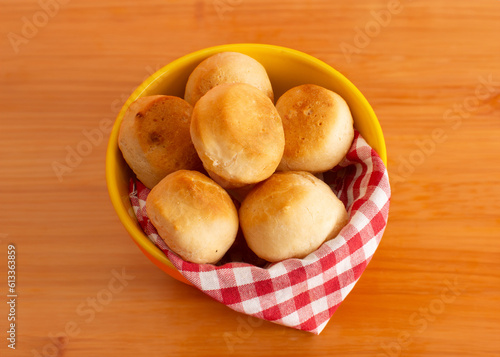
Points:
(193, 215)
(318, 128)
(290, 215)
(238, 134)
(154, 138)
(226, 67)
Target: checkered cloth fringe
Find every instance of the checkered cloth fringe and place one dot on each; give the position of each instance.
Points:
(299, 293)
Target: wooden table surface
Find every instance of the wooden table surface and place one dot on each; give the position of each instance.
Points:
(430, 69)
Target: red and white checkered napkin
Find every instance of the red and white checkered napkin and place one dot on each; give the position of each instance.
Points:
(300, 293)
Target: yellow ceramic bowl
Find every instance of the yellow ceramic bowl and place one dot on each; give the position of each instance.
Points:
(286, 68)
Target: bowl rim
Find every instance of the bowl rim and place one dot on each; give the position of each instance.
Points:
(130, 225)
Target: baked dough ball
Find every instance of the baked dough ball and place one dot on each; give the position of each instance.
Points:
(193, 215)
(226, 67)
(238, 134)
(154, 138)
(318, 128)
(290, 215)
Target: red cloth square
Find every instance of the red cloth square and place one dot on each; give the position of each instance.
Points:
(300, 293)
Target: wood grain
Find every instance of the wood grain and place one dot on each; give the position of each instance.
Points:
(433, 286)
